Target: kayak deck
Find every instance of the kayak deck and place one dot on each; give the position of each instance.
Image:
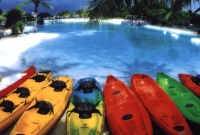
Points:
(159, 105)
(125, 113)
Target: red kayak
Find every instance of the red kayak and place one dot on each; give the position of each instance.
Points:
(159, 105)
(191, 82)
(125, 113)
(10, 83)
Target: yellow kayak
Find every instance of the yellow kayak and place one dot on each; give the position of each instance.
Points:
(46, 110)
(15, 103)
(9, 83)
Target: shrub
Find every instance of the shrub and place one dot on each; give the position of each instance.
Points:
(15, 20)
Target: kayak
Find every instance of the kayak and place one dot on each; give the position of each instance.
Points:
(191, 82)
(125, 114)
(185, 100)
(15, 103)
(85, 113)
(46, 109)
(159, 105)
(9, 83)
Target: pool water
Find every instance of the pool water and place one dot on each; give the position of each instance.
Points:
(120, 50)
(108, 48)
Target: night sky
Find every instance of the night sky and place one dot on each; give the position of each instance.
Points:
(59, 5)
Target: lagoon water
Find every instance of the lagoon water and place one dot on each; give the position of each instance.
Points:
(70, 48)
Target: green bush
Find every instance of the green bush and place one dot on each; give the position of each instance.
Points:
(15, 20)
(18, 26)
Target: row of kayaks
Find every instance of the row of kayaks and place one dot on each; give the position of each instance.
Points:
(36, 101)
(36, 104)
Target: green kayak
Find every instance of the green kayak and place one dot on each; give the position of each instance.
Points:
(186, 101)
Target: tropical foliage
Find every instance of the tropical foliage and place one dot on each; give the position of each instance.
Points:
(101, 8)
(44, 14)
(29, 17)
(156, 12)
(67, 14)
(197, 10)
(36, 3)
(17, 27)
(15, 20)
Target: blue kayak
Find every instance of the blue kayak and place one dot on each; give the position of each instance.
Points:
(85, 113)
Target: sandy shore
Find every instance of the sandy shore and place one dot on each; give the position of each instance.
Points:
(172, 30)
(18, 44)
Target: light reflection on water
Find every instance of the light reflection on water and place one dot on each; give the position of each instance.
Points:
(71, 49)
(110, 49)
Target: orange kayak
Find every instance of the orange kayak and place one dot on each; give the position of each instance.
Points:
(191, 82)
(10, 83)
(15, 103)
(125, 113)
(159, 105)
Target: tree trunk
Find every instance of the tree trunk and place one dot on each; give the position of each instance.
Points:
(35, 27)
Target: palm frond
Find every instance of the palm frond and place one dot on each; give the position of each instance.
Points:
(99, 9)
(46, 5)
(197, 10)
(24, 3)
(168, 15)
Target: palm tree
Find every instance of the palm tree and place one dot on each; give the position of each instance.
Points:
(36, 3)
(197, 10)
(100, 9)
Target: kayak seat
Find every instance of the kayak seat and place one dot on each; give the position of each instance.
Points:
(38, 78)
(189, 105)
(58, 85)
(119, 96)
(127, 116)
(87, 86)
(45, 107)
(85, 109)
(45, 72)
(196, 80)
(8, 106)
(23, 92)
(178, 128)
(193, 110)
(172, 91)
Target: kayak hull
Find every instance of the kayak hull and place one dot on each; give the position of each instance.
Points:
(85, 113)
(125, 114)
(22, 78)
(159, 105)
(35, 120)
(186, 80)
(185, 100)
(15, 103)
